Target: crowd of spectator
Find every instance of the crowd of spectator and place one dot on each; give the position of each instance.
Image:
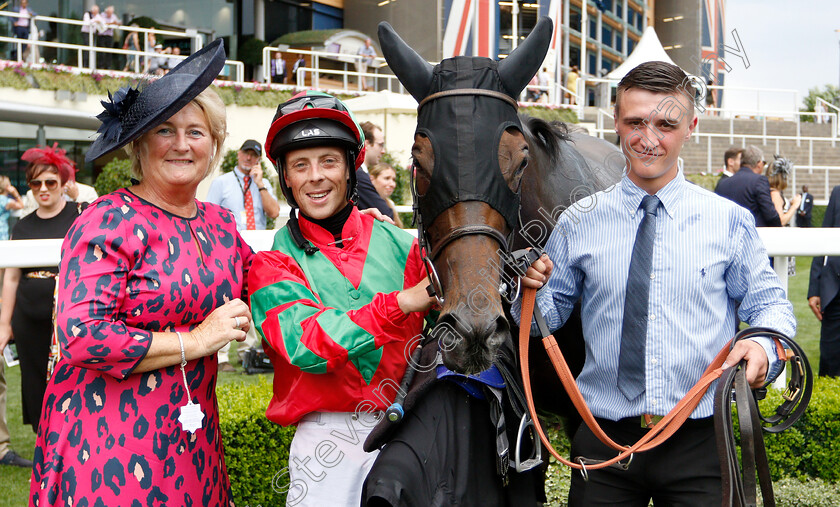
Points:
(99, 29)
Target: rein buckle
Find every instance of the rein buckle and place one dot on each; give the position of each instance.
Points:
(790, 393)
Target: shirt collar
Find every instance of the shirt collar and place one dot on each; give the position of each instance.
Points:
(321, 237)
(669, 195)
(240, 175)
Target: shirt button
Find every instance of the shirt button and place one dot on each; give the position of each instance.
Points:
(653, 317)
(652, 276)
(654, 361)
(343, 256)
(653, 403)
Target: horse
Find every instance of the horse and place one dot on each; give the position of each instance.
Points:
(488, 181)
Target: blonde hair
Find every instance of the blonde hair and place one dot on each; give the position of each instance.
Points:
(380, 168)
(214, 112)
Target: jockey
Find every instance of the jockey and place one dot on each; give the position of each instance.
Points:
(337, 301)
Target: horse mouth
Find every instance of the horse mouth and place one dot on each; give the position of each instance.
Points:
(469, 350)
(467, 364)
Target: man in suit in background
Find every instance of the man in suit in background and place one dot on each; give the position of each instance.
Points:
(823, 295)
(803, 216)
(750, 188)
(374, 148)
(278, 69)
(731, 163)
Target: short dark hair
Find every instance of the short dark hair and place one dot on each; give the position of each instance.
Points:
(731, 153)
(367, 130)
(657, 77)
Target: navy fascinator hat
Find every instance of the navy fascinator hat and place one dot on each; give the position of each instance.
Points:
(131, 112)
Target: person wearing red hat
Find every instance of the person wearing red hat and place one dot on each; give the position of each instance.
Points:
(337, 300)
(27, 308)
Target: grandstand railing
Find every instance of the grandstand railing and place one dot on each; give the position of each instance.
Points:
(350, 79)
(820, 116)
(92, 50)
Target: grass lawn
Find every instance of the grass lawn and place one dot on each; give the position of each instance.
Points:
(14, 482)
(808, 327)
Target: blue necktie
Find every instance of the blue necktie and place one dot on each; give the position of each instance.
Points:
(631, 360)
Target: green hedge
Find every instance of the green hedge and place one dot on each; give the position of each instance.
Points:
(115, 175)
(256, 449)
(805, 458)
(811, 448)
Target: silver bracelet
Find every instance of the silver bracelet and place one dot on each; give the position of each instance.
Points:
(184, 363)
(183, 356)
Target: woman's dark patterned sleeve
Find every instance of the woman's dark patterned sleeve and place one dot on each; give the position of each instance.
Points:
(97, 257)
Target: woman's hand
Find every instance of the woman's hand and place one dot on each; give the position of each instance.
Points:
(375, 213)
(5, 335)
(227, 323)
(797, 199)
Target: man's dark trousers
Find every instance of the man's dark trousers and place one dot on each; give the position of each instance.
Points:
(684, 470)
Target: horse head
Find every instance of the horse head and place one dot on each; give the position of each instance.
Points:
(469, 157)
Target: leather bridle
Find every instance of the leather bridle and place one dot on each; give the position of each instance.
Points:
(738, 478)
(736, 492)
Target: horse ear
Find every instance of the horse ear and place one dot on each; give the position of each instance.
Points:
(523, 63)
(413, 71)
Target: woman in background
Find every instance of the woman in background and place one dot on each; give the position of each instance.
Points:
(777, 175)
(131, 43)
(384, 179)
(27, 307)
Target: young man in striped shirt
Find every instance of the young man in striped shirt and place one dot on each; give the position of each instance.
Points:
(658, 326)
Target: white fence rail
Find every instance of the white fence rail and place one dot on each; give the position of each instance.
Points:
(780, 243)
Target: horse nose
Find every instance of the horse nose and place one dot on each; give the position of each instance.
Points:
(470, 345)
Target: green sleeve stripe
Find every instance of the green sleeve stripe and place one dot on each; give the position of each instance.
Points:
(359, 344)
(277, 294)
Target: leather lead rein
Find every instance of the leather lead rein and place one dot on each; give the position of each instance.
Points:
(797, 396)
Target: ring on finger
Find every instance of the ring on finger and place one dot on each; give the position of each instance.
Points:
(236, 322)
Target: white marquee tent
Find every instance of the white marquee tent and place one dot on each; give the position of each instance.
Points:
(649, 49)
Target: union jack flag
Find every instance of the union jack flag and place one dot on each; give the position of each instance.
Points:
(472, 28)
(712, 39)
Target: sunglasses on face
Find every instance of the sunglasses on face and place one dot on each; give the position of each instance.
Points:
(36, 184)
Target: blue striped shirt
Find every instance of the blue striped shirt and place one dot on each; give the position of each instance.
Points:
(228, 190)
(706, 256)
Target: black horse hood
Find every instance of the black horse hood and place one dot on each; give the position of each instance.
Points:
(459, 124)
(466, 169)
